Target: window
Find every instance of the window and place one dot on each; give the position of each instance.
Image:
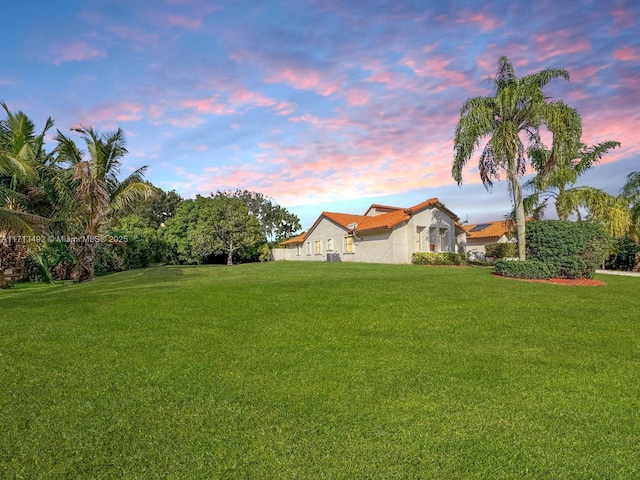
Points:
(348, 244)
(444, 239)
(329, 244)
(308, 248)
(318, 247)
(420, 239)
(298, 248)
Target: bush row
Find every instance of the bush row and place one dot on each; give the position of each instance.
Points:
(533, 269)
(439, 258)
(573, 249)
(560, 249)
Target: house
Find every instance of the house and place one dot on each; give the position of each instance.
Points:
(480, 234)
(384, 234)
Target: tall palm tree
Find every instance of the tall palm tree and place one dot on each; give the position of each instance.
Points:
(518, 108)
(94, 190)
(631, 193)
(555, 181)
(21, 151)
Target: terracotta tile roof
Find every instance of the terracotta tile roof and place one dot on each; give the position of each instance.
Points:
(489, 229)
(378, 207)
(366, 223)
(294, 240)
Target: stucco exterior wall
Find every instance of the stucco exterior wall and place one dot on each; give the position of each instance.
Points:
(437, 231)
(475, 246)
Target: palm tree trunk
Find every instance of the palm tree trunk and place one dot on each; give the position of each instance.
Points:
(516, 189)
(85, 258)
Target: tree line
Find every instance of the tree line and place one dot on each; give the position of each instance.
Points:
(67, 213)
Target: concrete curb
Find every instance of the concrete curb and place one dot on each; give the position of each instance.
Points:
(619, 272)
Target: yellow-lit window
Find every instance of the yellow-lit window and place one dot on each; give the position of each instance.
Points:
(318, 247)
(348, 244)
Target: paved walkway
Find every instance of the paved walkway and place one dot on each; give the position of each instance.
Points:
(619, 272)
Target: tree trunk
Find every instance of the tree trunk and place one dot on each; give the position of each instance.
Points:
(516, 189)
(83, 270)
(230, 255)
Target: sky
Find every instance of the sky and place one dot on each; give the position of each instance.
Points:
(323, 105)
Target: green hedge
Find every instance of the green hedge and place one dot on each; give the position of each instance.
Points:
(439, 258)
(572, 249)
(501, 250)
(534, 269)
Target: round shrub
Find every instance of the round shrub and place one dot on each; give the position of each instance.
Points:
(501, 250)
(573, 249)
(533, 269)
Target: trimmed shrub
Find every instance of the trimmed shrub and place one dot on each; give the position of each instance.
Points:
(439, 258)
(572, 249)
(501, 250)
(533, 269)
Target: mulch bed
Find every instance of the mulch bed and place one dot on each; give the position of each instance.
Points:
(576, 282)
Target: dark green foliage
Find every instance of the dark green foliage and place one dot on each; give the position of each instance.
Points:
(501, 250)
(439, 258)
(276, 222)
(573, 249)
(534, 269)
(157, 209)
(626, 255)
(131, 244)
(209, 226)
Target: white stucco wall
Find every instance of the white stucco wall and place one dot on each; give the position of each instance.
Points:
(475, 246)
(386, 246)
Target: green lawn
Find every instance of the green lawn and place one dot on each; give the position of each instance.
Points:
(322, 370)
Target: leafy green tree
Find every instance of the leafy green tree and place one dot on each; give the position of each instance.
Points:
(225, 226)
(156, 209)
(94, 190)
(276, 222)
(555, 180)
(518, 107)
(212, 225)
(176, 233)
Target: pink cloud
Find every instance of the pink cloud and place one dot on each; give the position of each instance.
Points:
(587, 74)
(560, 42)
(623, 18)
(484, 21)
(242, 96)
(357, 96)
(207, 105)
(184, 21)
(627, 54)
(436, 67)
(291, 73)
(111, 114)
(75, 52)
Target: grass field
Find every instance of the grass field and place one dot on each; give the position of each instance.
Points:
(322, 370)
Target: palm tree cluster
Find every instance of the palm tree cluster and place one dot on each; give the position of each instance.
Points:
(66, 192)
(512, 121)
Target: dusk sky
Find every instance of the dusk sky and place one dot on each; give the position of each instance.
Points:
(320, 104)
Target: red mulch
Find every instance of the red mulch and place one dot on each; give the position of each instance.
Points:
(576, 282)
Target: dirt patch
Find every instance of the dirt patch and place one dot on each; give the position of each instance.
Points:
(576, 282)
